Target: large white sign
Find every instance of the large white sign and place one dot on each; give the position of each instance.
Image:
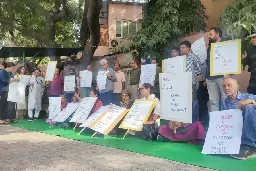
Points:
(148, 73)
(70, 83)
(50, 70)
(174, 65)
(225, 58)
(101, 111)
(102, 79)
(84, 109)
(54, 106)
(85, 78)
(109, 120)
(138, 115)
(176, 96)
(225, 132)
(65, 113)
(199, 49)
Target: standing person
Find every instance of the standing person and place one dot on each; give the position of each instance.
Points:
(119, 85)
(193, 64)
(56, 85)
(156, 88)
(175, 52)
(5, 79)
(250, 60)
(36, 89)
(85, 91)
(134, 80)
(22, 106)
(69, 94)
(214, 83)
(106, 95)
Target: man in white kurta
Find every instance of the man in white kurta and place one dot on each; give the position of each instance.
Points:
(36, 89)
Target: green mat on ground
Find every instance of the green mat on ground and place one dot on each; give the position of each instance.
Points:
(180, 152)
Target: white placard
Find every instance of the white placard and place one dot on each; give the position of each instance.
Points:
(54, 106)
(84, 109)
(225, 58)
(13, 92)
(102, 110)
(148, 73)
(85, 78)
(199, 49)
(138, 114)
(70, 83)
(50, 70)
(102, 79)
(175, 65)
(65, 113)
(225, 132)
(176, 96)
(24, 79)
(106, 123)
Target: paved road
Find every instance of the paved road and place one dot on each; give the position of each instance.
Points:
(23, 150)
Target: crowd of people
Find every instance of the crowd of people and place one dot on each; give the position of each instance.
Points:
(222, 93)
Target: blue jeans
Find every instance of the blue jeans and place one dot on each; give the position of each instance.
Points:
(249, 128)
(69, 96)
(107, 98)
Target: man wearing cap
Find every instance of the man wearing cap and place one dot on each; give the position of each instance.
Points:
(250, 60)
(106, 93)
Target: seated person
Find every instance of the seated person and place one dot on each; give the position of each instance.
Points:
(126, 99)
(180, 132)
(149, 130)
(245, 102)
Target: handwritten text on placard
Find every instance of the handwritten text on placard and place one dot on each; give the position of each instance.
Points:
(70, 83)
(225, 131)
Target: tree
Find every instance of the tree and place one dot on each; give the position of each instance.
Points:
(163, 23)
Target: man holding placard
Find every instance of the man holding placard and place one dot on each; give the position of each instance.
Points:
(105, 83)
(245, 102)
(214, 83)
(193, 64)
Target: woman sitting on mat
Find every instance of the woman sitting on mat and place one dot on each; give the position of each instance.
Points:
(126, 100)
(180, 132)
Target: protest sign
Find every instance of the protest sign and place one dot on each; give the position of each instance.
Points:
(13, 92)
(176, 96)
(69, 83)
(85, 78)
(65, 113)
(108, 121)
(54, 107)
(199, 49)
(225, 58)
(102, 79)
(84, 109)
(148, 73)
(50, 70)
(224, 133)
(174, 65)
(138, 115)
(100, 112)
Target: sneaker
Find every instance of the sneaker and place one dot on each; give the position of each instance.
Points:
(30, 119)
(245, 153)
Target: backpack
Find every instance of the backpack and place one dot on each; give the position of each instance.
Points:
(149, 132)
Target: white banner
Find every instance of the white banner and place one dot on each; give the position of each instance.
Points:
(50, 70)
(174, 65)
(102, 79)
(176, 96)
(65, 113)
(199, 49)
(148, 73)
(224, 133)
(54, 106)
(85, 78)
(69, 83)
(84, 109)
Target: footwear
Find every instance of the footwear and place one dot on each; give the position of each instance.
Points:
(35, 119)
(245, 152)
(30, 120)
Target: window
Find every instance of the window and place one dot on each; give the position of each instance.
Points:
(126, 28)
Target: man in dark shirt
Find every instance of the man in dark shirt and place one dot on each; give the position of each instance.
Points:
(250, 60)
(134, 80)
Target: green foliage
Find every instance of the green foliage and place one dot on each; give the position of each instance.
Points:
(164, 22)
(26, 22)
(43, 62)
